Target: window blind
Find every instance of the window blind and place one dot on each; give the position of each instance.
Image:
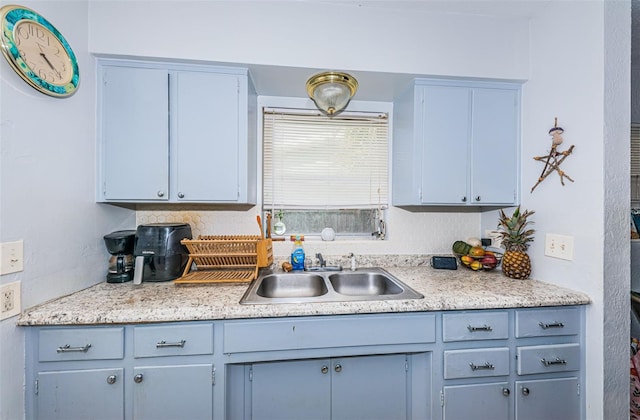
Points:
(312, 161)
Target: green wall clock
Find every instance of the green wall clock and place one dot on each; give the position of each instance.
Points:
(38, 52)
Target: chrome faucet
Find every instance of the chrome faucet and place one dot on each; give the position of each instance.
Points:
(321, 260)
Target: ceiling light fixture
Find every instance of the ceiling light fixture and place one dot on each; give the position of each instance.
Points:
(331, 90)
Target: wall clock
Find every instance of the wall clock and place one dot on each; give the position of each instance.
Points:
(38, 52)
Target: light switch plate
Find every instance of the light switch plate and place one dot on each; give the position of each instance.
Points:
(558, 246)
(11, 257)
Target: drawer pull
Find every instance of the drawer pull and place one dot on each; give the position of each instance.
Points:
(482, 328)
(506, 392)
(487, 365)
(176, 344)
(138, 378)
(68, 349)
(525, 391)
(111, 379)
(558, 361)
(551, 325)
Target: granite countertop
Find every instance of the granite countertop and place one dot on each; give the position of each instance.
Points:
(110, 303)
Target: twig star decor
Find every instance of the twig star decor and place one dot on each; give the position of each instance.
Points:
(553, 160)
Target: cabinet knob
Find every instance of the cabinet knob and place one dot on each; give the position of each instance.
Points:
(180, 195)
(338, 367)
(324, 369)
(463, 199)
(138, 378)
(111, 379)
(477, 198)
(506, 392)
(160, 193)
(525, 391)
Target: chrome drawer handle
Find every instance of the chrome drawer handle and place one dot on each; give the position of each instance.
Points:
(483, 328)
(176, 344)
(487, 366)
(68, 349)
(555, 324)
(558, 361)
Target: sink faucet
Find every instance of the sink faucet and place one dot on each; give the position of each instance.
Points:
(321, 260)
(353, 262)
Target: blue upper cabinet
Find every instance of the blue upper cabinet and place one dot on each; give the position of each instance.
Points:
(456, 143)
(175, 133)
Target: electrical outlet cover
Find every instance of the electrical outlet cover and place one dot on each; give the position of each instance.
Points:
(9, 300)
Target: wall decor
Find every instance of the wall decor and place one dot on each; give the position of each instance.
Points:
(38, 52)
(555, 157)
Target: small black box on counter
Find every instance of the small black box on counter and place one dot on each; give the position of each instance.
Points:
(446, 263)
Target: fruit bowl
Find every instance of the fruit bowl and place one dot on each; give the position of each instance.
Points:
(489, 261)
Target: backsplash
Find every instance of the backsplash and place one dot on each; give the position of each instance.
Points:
(409, 233)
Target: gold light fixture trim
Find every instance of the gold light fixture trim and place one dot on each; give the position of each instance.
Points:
(331, 90)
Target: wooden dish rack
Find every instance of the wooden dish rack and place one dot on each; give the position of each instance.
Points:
(225, 258)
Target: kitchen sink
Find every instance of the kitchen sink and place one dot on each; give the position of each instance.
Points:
(364, 284)
(305, 287)
(293, 285)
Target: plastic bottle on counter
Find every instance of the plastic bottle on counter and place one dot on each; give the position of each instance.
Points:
(297, 253)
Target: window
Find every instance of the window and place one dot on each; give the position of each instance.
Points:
(326, 172)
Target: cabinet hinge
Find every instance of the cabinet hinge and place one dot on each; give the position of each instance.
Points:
(251, 374)
(441, 398)
(578, 388)
(406, 365)
(35, 387)
(213, 376)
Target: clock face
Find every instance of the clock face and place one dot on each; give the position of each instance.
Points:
(38, 52)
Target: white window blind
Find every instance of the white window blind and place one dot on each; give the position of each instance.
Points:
(312, 161)
(635, 162)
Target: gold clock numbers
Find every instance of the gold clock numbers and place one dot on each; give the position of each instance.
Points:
(43, 52)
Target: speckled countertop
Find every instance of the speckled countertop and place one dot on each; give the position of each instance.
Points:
(109, 303)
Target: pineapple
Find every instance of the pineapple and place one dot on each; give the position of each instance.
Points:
(515, 239)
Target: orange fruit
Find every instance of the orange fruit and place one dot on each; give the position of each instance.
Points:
(466, 260)
(477, 251)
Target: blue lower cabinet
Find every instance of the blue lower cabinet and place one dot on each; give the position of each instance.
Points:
(549, 399)
(350, 388)
(173, 392)
(479, 402)
(81, 394)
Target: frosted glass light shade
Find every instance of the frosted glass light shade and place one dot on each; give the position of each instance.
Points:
(331, 91)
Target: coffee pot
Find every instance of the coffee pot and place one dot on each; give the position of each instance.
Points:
(121, 263)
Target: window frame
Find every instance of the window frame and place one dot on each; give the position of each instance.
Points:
(308, 104)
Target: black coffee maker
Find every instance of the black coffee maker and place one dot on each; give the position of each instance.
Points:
(120, 246)
(159, 255)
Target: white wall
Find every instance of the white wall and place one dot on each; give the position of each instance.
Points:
(47, 164)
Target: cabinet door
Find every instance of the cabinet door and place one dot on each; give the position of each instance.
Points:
(445, 124)
(173, 392)
(479, 402)
(135, 134)
(549, 399)
(296, 390)
(369, 387)
(494, 146)
(81, 394)
(207, 136)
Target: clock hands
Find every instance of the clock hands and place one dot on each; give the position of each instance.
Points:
(43, 55)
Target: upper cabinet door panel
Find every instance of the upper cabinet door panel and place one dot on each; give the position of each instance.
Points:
(207, 131)
(135, 143)
(445, 124)
(494, 145)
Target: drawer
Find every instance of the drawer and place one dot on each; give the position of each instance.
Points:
(549, 358)
(547, 322)
(475, 326)
(473, 363)
(172, 340)
(80, 344)
(321, 333)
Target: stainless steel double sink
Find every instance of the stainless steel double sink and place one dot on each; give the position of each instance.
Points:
(325, 286)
